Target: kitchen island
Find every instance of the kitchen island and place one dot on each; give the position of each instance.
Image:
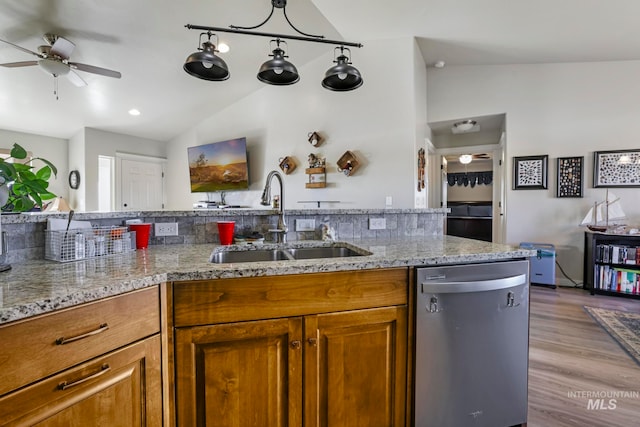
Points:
(164, 337)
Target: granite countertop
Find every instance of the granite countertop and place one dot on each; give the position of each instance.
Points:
(38, 287)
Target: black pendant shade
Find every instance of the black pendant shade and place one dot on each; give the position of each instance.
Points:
(206, 65)
(278, 71)
(342, 77)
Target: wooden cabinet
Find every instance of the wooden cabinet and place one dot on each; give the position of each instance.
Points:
(321, 349)
(355, 368)
(94, 364)
(612, 264)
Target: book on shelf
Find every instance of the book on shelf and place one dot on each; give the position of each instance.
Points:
(617, 279)
(617, 254)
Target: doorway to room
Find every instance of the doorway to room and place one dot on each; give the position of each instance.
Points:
(472, 182)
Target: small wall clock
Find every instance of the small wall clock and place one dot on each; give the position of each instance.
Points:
(74, 179)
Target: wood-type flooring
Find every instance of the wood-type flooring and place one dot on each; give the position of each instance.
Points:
(573, 363)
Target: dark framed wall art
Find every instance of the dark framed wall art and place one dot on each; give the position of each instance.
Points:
(530, 172)
(570, 177)
(620, 168)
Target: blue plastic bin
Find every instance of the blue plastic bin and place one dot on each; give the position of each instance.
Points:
(543, 265)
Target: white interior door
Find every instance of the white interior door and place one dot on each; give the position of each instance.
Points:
(142, 185)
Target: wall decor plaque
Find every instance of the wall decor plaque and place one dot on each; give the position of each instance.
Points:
(620, 168)
(530, 172)
(570, 177)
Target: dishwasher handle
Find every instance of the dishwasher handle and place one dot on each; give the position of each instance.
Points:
(445, 287)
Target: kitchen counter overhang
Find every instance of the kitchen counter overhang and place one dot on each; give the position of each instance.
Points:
(37, 287)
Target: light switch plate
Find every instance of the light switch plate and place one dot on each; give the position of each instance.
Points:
(305, 224)
(377, 223)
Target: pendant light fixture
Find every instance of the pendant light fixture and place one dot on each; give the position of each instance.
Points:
(204, 64)
(277, 71)
(343, 76)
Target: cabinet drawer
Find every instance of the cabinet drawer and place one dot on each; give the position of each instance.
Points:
(233, 300)
(122, 388)
(35, 348)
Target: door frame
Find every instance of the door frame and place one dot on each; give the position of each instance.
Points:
(498, 198)
(119, 157)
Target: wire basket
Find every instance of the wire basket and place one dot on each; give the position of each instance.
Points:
(77, 244)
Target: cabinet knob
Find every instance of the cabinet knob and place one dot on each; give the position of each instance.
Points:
(313, 342)
(295, 344)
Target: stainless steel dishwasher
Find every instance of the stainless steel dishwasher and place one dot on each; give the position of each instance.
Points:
(472, 345)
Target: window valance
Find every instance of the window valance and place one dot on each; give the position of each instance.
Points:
(470, 178)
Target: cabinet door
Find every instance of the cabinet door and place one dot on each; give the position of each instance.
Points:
(240, 374)
(121, 389)
(355, 368)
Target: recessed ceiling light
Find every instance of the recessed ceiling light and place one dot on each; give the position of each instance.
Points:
(223, 48)
(134, 112)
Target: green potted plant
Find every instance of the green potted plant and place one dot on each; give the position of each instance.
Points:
(22, 188)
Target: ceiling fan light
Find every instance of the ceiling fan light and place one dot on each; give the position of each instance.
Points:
(52, 66)
(342, 77)
(206, 65)
(278, 71)
(465, 159)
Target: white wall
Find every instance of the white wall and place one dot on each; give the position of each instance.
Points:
(52, 149)
(77, 198)
(377, 122)
(556, 109)
(420, 107)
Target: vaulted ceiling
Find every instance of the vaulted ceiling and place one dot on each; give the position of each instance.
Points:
(146, 41)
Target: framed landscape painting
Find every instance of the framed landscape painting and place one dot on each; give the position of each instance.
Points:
(530, 173)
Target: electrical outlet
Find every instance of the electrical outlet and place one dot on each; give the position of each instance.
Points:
(166, 229)
(377, 223)
(305, 224)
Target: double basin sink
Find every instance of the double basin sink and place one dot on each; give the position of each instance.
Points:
(251, 254)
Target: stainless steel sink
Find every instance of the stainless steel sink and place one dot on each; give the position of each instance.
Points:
(323, 252)
(283, 254)
(249, 256)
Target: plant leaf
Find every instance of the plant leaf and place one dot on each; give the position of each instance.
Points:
(44, 173)
(17, 152)
(48, 163)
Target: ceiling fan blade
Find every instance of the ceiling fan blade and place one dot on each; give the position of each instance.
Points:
(22, 49)
(19, 64)
(95, 70)
(76, 79)
(62, 47)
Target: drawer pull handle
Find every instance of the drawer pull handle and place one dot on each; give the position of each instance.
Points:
(62, 340)
(103, 370)
(295, 344)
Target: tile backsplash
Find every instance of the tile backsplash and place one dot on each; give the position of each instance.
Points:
(25, 233)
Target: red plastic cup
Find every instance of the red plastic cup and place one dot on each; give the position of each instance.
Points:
(142, 234)
(225, 229)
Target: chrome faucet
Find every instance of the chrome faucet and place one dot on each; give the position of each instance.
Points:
(281, 231)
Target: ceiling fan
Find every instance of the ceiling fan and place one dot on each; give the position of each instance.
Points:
(53, 58)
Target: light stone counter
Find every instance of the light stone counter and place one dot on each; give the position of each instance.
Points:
(37, 287)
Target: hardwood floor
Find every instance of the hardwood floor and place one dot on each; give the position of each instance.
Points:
(571, 356)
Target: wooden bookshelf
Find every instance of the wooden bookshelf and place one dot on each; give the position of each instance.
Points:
(612, 264)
